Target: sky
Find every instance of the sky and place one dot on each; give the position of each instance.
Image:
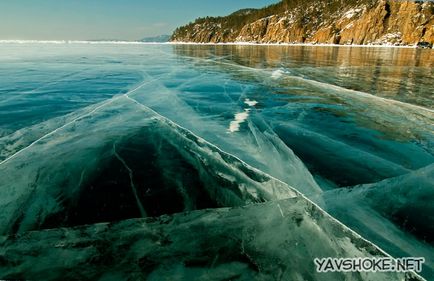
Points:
(107, 19)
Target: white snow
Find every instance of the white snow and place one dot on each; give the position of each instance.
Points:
(277, 74)
(244, 43)
(78, 42)
(238, 43)
(351, 13)
(234, 126)
(250, 102)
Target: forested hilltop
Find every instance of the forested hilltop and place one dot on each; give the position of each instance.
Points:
(319, 21)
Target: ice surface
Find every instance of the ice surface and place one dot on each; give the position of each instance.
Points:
(404, 201)
(106, 133)
(120, 122)
(406, 196)
(270, 241)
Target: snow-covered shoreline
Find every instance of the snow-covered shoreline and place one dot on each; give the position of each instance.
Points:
(201, 44)
(296, 44)
(77, 42)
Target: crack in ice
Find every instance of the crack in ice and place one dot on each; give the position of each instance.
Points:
(298, 193)
(133, 186)
(280, 209)
(323, 84)
(53, 82)
(77, 119)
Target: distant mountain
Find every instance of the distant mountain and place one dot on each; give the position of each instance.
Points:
(157, 39)
(319, 21)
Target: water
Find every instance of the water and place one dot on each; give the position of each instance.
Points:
(93, 133)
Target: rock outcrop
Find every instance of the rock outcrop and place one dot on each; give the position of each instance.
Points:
(320, 21)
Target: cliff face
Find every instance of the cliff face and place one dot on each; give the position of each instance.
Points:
(320, 21)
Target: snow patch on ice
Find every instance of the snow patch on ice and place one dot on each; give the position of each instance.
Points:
(250, 102)
(234, 126)
(241, 117)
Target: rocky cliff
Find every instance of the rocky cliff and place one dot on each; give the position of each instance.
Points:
(319, 21)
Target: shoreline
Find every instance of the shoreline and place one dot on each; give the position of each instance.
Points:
(65, 42)
(297, 44)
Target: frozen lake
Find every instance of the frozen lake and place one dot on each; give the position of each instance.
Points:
(98, 133)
